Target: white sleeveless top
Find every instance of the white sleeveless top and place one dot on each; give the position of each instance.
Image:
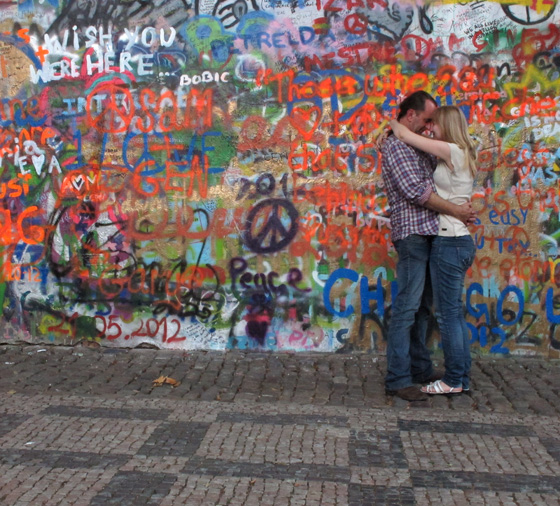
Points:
(455, 186)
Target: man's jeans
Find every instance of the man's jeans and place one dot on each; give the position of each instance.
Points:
(450, 259)
(408, 358)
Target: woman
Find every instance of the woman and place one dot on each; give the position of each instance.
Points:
(453, 249)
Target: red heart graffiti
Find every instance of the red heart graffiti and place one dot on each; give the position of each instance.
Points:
(306, 121)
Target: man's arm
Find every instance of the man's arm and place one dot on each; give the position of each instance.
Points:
(402, 167)
(463, 212)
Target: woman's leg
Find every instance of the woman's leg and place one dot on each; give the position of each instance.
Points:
(449, 261)
(470, 251)
(466, 353)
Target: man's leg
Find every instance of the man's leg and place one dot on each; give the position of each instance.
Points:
(421, 367)
(414, 254)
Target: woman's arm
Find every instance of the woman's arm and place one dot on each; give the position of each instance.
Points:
(433, 146)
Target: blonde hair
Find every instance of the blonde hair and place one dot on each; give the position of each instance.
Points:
(454, 129)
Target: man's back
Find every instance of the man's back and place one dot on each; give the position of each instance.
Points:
(408, 178)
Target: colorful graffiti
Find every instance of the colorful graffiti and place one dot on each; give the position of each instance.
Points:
(206, 175)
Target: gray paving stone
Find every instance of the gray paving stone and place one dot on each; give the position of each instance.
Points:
(465, 480)
(138, 414)
(336, 421)
(370, 448)
(465, 428)
(359, 495)
(552, 447)
(9, 422)
(305, 472)
(81, 426)
(131, 488)
(58, 459)
(180, 439)
(509, 385)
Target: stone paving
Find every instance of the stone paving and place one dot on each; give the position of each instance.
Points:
(88, 427)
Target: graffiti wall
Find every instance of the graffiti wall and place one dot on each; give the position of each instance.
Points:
(205, 174)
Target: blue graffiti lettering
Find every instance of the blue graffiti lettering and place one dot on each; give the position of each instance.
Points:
(366, 295)
(550, 316)
(333, 278)
(520, 302)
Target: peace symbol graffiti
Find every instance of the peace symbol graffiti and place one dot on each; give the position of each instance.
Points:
(271, 226)
(113, 109)
(526, 15)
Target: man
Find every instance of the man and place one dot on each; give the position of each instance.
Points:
(408, 177)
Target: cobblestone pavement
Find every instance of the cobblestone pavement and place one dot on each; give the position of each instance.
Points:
(86, 426)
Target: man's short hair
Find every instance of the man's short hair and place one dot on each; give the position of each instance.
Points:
(416, 102)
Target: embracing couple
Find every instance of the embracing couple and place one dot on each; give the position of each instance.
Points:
(428, 170)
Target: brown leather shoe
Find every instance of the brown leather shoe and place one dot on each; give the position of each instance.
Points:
(410, 394)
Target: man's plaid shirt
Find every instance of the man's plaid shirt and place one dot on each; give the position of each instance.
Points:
(409, 182)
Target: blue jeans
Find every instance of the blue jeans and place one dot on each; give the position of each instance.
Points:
(450, 259)
(408, 358)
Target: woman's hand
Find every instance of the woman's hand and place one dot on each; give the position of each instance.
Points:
(396, 127)
(381, 138)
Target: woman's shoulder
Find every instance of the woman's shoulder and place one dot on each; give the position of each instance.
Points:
(457, 152)
(459, 159)
(456, 147)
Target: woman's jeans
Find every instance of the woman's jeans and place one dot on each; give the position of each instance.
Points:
(408, 358)
(450, 259)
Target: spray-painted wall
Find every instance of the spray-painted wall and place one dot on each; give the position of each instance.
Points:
(206, 175)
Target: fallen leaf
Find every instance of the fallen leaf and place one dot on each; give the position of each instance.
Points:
(11, 392)
(162, 380)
